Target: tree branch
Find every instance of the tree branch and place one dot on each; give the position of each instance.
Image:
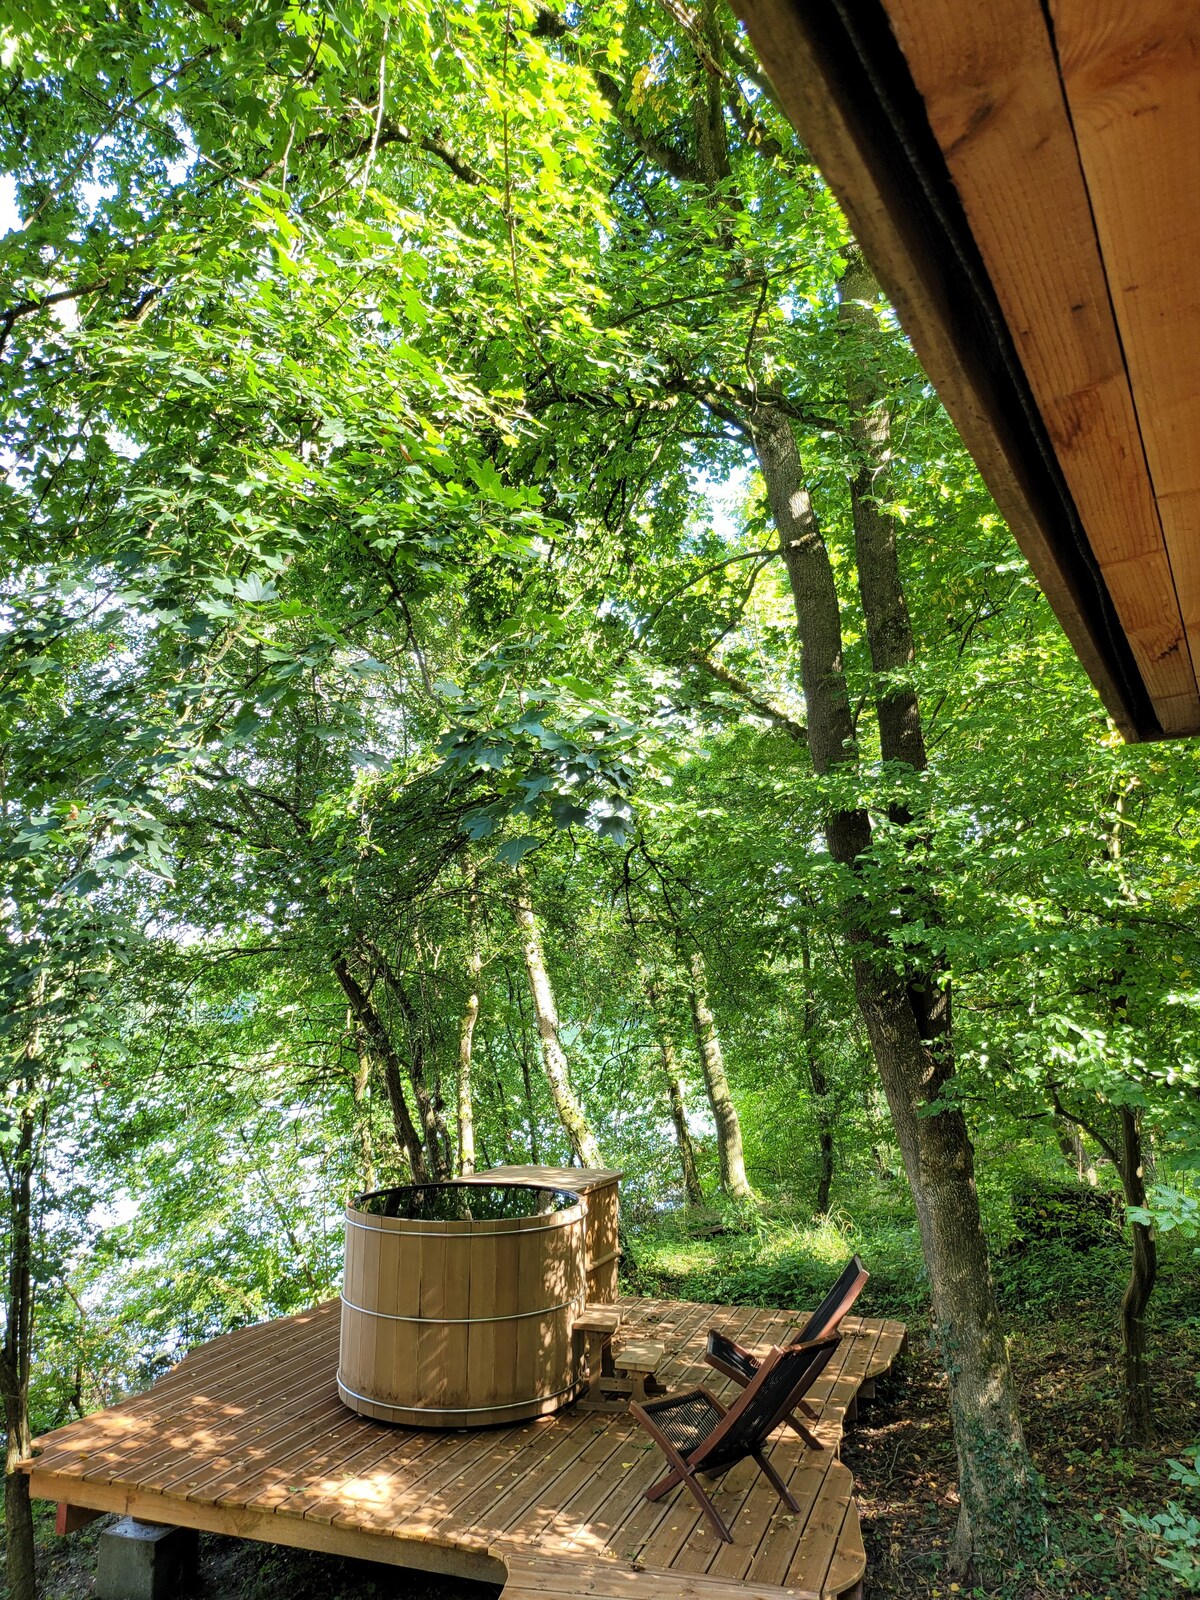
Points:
(746, 691)
(707, 572)
(397, 133)
(664, 156)
(1069, 1116)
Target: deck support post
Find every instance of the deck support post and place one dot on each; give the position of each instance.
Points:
(143, 1561)
(69, 1518)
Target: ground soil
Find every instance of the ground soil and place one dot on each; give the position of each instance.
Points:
(901, 1453)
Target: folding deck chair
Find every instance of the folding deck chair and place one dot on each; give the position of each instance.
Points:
(740, 1364)
(697, 1433)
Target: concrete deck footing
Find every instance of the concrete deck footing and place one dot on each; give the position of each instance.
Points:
(143, 1561)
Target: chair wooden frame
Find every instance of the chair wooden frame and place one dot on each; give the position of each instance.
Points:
(824, 1321)
(684, 1465)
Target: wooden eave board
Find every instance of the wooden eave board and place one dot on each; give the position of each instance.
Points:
(990, 82)
(1131, 71)
(246, 1436)
(1067, 380)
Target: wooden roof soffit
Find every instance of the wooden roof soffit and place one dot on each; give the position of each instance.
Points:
(997, 213)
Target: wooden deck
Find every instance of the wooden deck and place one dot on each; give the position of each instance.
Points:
(247, 1436)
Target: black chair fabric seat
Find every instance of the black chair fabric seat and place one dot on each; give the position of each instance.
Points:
(686, 1419)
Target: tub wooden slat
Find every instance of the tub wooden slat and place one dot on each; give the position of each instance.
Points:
(459, 1324)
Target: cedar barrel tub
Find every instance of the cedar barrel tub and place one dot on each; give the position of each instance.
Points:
(458, 1303)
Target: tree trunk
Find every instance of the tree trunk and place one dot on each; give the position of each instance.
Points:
(692, 1190)
(570, 1113)
(1137, 1423)
(712, 1064)
(908, 1025)
(15, 1355)
(818, 1083)
(429, 1107)
(1001, 1520)
(466, 1033)
(362, 1112)
(1070, 1142)
(520, 1049)
(885, 610)
(379, 1046)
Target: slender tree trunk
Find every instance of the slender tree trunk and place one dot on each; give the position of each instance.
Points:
(818, 1083)
(692, 1190)
(1070, 1142)
(908, 1024)
(885, 610)
(1138, 1408)
(429, 1109)
(570, 1113)
(1137, 1422)
(535, 1144)
(466, 1033)
(712, 1064)
(520, 1049)
(362, 1112)
(379, 1047)
(15, 1355)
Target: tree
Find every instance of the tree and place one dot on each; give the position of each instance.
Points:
(570, 1112)
(712, 1066)
(466, 1034)
(692, 1188)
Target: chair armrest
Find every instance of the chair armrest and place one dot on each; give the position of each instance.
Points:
(742, 1350)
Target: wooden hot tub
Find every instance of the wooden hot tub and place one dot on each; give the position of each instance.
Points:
(459, 1301)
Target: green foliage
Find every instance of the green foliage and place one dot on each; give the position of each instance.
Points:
(783, 1260)
(1174, 1532)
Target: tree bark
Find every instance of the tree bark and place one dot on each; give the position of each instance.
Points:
(712, 1064)
(1137, 1422)
(885, 610)
(908, 1024)
(15, 1357)
(429, 1105)
(818, 1083)
(693, 1192)
(466, 1034)
(692, 1189)
(570, 1113)
(520, 1048)
(379, 1046)
(362, 1114)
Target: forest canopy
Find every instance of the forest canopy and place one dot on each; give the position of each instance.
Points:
(504, 658)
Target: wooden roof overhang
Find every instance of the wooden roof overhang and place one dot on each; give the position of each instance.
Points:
(1025, 180)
